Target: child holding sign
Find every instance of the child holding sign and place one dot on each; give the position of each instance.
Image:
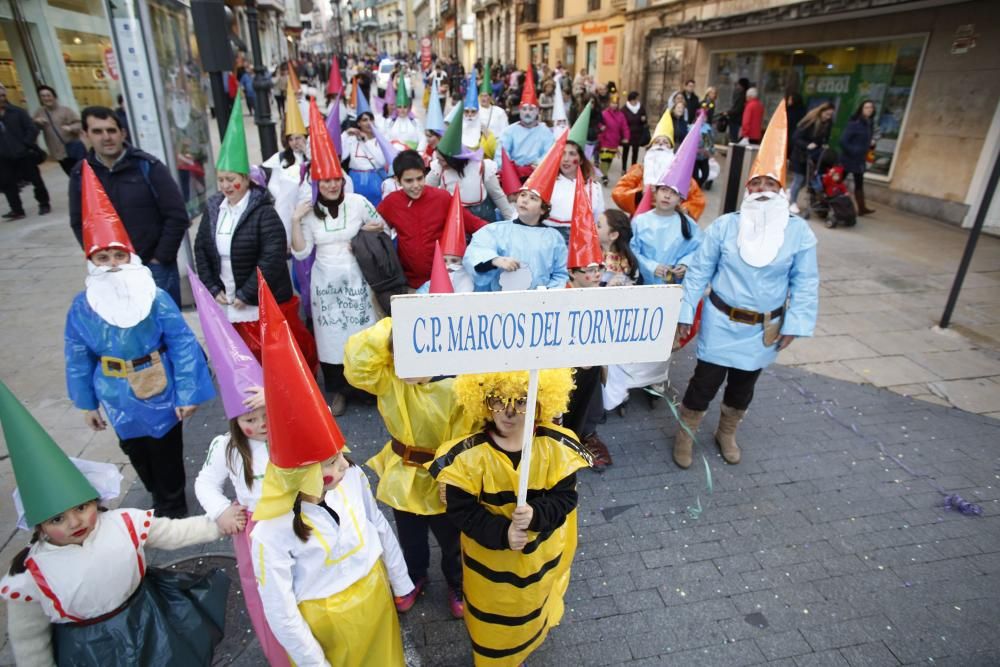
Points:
(513, 594)
(523, 244)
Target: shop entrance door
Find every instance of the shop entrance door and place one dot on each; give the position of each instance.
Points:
(663, 73)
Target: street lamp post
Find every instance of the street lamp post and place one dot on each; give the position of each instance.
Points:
(262, 86)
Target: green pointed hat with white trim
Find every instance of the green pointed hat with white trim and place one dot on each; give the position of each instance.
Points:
(451, 141)
(48, 481)
(578, 133)
(402, 97)
(233, 152)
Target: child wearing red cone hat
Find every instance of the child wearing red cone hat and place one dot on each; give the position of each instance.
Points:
(129, 350)
(531, 254)
(81, 593)
(323, 553)
(585, 270)
(341, 299)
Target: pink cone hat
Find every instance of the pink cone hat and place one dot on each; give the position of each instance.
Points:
(235, 368)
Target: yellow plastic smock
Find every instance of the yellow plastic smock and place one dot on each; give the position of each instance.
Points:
(420, 415)
(358, 627)
(512, 598)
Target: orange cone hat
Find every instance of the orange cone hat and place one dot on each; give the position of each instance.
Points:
(325, 164)
(453, 236)
(352, 100)
(584, 244)
(528, 95)
(301, 430)
(543, 179)
(771, 159)
(102, 228)
(293, 78)
(440, 280)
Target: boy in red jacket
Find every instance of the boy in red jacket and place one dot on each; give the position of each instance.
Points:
(417, 213)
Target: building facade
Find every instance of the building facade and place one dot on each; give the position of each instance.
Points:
(929, 65)
(496, 29)
(578, 34)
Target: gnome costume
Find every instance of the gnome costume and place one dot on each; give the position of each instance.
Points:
(657, 240)
(94, 602)
(366, 162)
(234, 240)
(327, 597)
(761, 265)
(286, 184)
(129, 350)
(238, 373)
(402, 130)
(527, 141)
(541, 250)
(341, 299)
(479, 182)
(474, 135)
(493, 117)
(564, 193)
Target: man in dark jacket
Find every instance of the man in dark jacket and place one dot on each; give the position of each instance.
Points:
(691, 103)
(17, 134)
(142, 191)
(735, 113)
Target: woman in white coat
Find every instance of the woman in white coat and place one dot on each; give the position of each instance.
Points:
(341, 299)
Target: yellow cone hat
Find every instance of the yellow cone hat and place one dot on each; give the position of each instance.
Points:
(771, 157)
(293, 116)
(665, 128)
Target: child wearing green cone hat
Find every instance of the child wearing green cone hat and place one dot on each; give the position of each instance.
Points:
(402, 129)
(81, 592)
(476, 177)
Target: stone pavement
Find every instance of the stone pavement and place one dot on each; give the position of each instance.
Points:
(817, 549)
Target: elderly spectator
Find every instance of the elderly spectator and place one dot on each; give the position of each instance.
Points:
(752, 126)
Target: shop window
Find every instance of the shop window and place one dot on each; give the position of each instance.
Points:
(545, 52)
(845, 75)
(86, 56)
(569, 52)
(533, 54)
(592, 58)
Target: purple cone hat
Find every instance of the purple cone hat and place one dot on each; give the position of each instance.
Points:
(388, 150)
(333, 125)
(679, 172)
(235, 368)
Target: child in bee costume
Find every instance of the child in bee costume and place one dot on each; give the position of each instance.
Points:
(516, 560)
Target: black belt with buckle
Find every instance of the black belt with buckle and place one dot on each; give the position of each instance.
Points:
(412, 456)
(742, 315)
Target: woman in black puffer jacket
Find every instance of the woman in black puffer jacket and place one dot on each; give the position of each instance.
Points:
(240, 232)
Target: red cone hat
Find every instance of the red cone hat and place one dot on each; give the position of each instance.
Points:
(335, 86)
(453, 236)
(325, 164)
(301, 430)
(510, 182)
(528, 94)
(543, 179)
(102, 228)
(440, 280)
(584, 244)
(646, 203)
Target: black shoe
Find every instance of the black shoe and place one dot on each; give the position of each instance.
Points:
(13, 215)
(44, 208)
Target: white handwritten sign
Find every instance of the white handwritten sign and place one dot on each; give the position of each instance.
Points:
(447, 334)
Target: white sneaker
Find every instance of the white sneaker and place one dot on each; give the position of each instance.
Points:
(794, 208)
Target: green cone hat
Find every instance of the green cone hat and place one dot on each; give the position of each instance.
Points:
(402, 98)
(451, 142)
(578, 133)
(233, 153)
(486, 87)
(48, 481)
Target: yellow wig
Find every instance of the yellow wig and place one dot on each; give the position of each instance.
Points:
(554, 387)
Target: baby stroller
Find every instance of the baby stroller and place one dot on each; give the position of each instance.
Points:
(841, 206)
(819, 161)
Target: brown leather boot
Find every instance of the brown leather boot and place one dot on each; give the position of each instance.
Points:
(725, 435)
(683, 443)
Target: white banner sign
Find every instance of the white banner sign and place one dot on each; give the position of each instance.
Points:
(451, 334)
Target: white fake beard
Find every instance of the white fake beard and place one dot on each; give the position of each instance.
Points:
(763, 218)
(122, 298)
(655, 164)
(471, 131)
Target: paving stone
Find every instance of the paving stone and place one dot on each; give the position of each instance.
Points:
(886, 371)
(782, 644)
